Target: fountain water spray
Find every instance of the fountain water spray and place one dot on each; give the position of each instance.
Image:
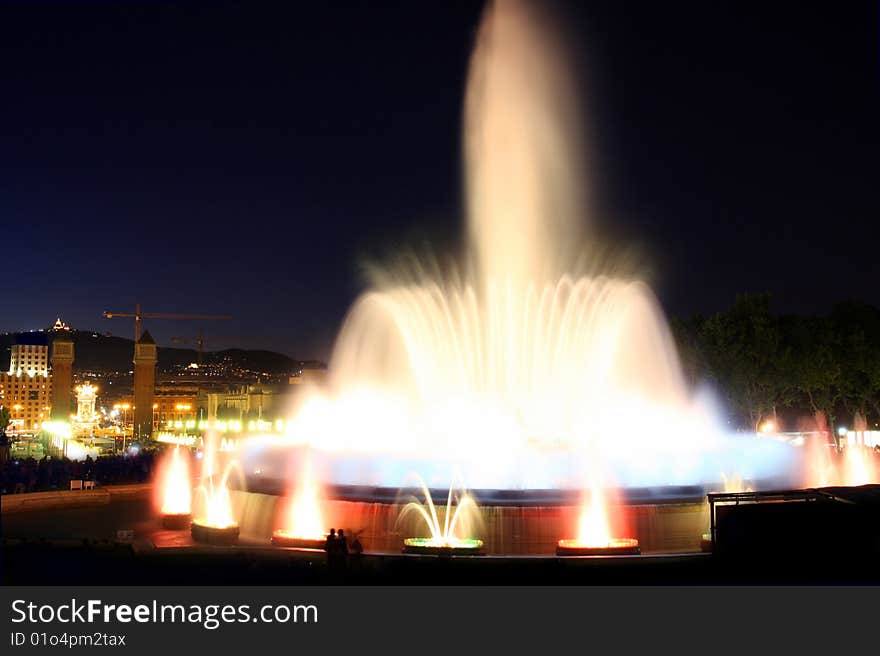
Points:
(214, 522)
(176, 487)
(527, 349)
(303, 521)
(595, 536)
(827, 465)
(443, 539)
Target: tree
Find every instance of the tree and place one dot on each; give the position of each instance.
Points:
(5, 416)
(813, 363)
(857, 350)
(744, 355)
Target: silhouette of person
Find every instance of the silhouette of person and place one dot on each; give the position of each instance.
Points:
(342, 544)
(356, 547)
(330, 543)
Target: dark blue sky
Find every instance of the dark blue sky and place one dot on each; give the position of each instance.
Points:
(243, 157)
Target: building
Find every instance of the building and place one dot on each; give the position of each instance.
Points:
(30, 359)
(26, 388)
(27, 398)
(175, 405)
(243, 402)
(145, 359)
(62, 376)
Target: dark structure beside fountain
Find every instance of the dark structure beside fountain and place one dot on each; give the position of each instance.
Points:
(802, 527)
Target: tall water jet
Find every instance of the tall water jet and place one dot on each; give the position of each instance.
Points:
(303, 521)
(176, 489)
(526, 359)
(596, 535)
(213, 520)
(526, 181)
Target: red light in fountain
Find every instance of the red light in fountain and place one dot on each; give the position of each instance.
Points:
(594, 532)
(853, 463)
(303, 519)
(175, 488)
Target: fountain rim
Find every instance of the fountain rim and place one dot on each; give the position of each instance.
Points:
(572, 547)
(429, 547)
(661, 495)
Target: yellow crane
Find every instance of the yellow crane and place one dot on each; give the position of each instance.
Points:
(140, 316)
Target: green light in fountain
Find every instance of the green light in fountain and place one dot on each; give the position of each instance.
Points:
(443, 539)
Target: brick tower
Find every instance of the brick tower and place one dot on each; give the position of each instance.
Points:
(145, 359)
(62, 377)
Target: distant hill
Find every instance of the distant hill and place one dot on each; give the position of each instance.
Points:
(99, 352)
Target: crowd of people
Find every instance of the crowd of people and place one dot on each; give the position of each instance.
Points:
(49, 473)
(338, 548)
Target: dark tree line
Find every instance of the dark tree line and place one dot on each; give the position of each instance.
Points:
(765, 365)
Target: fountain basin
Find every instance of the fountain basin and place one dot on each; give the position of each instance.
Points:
(207, 534)
(176, 521)
(432, 547)
(617, 547)
(282, 538)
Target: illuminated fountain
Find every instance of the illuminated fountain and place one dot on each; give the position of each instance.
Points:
(852, 461)
(443, 539)
(213, 521)
(595, 536)
(531, 355)
(303, 521)
(860, 459)
(176, 489)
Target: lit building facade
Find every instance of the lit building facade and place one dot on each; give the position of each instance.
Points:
(246, 402)
(29, 359)
(25, 390)
(27, 398)
(175, 406)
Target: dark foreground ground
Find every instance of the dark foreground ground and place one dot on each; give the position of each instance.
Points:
(78, 546)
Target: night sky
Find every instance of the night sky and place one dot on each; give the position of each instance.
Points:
(246, 157)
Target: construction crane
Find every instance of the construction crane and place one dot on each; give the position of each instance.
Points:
(140, 316)
(201, 341)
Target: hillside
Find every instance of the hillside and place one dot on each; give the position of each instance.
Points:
(108, 353)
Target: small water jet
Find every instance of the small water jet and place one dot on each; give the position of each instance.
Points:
(443, 539)
(860, 465)
(176, 489)
(215, 523)
(827, 465)
(303, 521)
(595, 537)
